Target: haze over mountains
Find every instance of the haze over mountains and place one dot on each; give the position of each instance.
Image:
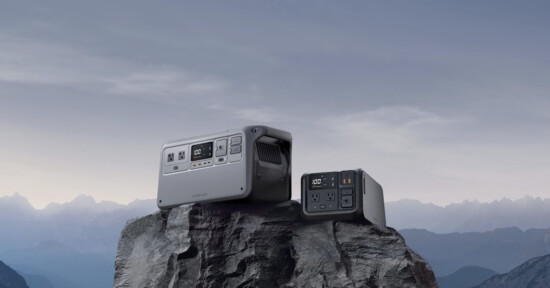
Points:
(534, 273)
(82, 224)
(73, 222)
(82, 235)
(466, 277)
(89, 226)
(65, 245)
(500, 250)
(470, 216)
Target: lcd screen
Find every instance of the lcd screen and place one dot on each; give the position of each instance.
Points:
(323, 181)
(201, 151)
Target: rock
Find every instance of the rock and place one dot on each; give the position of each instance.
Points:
(534, 273)
(262, 245)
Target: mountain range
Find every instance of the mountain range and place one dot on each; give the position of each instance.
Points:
(86, 231)
(534, 273)
(83, 224)
(65, 245)
(469, 216)
(62, 266)
(468, 276)
(500, 250)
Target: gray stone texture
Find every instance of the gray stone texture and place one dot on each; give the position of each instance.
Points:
(262, 245)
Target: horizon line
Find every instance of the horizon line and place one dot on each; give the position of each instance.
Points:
(17, 194)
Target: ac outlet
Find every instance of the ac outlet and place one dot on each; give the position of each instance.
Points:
(175, 155)
(170, 157)
(322, 200)
(315, 197)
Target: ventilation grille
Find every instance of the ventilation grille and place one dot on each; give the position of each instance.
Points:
(269, 153)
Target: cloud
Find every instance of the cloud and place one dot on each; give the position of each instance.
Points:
(390, 129)
(237, 74)
(253, 114)
(34, 62)
(165, 82)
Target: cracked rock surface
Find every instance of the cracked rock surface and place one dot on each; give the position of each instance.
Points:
(262, 245)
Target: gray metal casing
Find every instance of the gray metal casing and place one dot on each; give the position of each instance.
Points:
(248, 178)
(368, 201)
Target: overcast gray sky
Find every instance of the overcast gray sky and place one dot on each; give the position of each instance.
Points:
(439, 101)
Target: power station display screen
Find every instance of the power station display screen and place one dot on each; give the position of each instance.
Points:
(323, 181)
(201, 151)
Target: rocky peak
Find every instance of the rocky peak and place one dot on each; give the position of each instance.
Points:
(262, 245)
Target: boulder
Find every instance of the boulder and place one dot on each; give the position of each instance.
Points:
(262, 245)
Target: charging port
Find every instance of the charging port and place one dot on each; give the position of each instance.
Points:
(315, 196)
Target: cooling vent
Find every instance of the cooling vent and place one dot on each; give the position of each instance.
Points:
(269, 152)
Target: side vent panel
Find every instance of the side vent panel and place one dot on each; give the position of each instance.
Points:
(269, 153)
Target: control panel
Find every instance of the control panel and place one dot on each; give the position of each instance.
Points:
(209, 153)
(331, 191)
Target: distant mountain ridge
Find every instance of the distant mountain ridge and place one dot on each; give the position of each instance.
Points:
(38, 281)
(500, 250)
(61, 265)
(83, 224)
(469, 216)
(92, 228)
(534, 273)
(468, 276)
(9, 278)
(81, 233)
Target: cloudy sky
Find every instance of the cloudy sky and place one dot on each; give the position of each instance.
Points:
(438, 101)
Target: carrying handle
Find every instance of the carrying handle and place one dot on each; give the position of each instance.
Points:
(260, 131)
